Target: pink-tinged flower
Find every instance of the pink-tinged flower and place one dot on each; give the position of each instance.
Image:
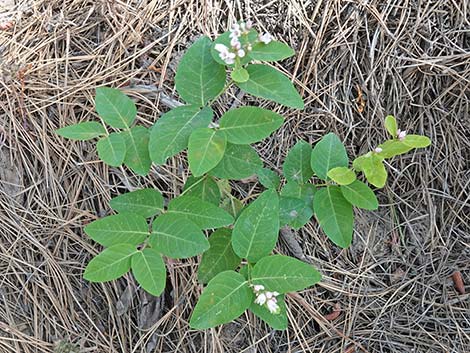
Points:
(258, 287)
(265, 38)
(260, 299)
(241, 53)
(248, 25)
(401, 134)
(235, 43)
(378, 150)
(221, 48)
(272, 306)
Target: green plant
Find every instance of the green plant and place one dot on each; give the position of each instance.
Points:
(242, 236)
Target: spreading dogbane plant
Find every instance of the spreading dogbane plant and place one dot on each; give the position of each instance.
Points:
(237, 264)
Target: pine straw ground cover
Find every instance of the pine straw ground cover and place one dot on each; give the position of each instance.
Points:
(356, 62)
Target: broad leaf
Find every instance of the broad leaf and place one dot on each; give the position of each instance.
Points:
(249, 124)
(391, 125)
(328, 154)
(266, 82)
(205, 150)
(149, 270)
(220, 256)
(204, 188)
(225, 298)
(232, 205)
(121, 228)
(372, 166)
(392, 148)
(144, 202)
(284, 274)
(239, 162)
(240, 75)
(294, 212)
(256, 229)
(204, 214)
(177, 237)
(360, 195)
(110, 264)
(170, 134)
(296, 167)
(334, 214)
(114, 107)
(276, 321)
(416, 141)
(304, 192)
(112, 149)
(82, 131)
(268, 178)
(137, 153)
(199, 78)
(273, 51)
(342, 175)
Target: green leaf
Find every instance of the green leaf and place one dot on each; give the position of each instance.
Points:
(372, 166)
(294, 212)
(334, 214)
(304, 192)
(256, 230)
(232, 205)
(276, 321)
(268, 178)
(360, 195)
(112, 149)
(126, 228)
(342, 175)
(137, 154)
(204, 214)
(249, 124)
(144, 202)
(284, 274)
(199, 78)
(110, 264)
(328, 154)
(204, 188)
(416, 141)
(170, 134)
(240, 75)
(149, 270)
(82, 131)
(225, 298)
(220, 256)
(266, 82)
(115, 108)
(273, 51)
(239, 162)
(296, 167)
(392, 148)
(391, 125)
(177, 237)
(224, 39)
(205, 150)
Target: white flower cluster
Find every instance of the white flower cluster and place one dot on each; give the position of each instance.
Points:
(266, 298)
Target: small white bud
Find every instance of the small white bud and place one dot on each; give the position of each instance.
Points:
(265, 38)
(248, 25)
(241, 53)
(258, 287)
(377, 150)
(401, 134)
(249, 47)
(260, 299)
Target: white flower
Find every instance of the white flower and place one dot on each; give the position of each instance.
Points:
(221, 48)
(260, 299)
(378, 150)
(249, 47)
(241, 53)
(272, 305)
(265, 38)
(248, 25)
(275, 294)
(235, 27)
(258, 287)
(235, 43)
(401, 134)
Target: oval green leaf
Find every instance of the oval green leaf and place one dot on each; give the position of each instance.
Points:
(239, 162)
(112, 149)
(137, 153)
(177, 237)
(239, 75)
(144, 202)
(220, 256)
(268, 178)
(391, 125)
(294, 212)
(82, 131)
(342, 175)
(204, 214)
(256, 230)
(296, 166)
(225, 298)
(268, 83)
(249, 124)
(115, 108)
(284, 274)
(170, 134)
(273, 51)
(204, 188)
(205, 150)
(360, 195)
(334, 214)
(110, 264)
(276, 321)
(149, 270)
(372, 166)
(328, 154)
(199, 78)
(121, 228)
